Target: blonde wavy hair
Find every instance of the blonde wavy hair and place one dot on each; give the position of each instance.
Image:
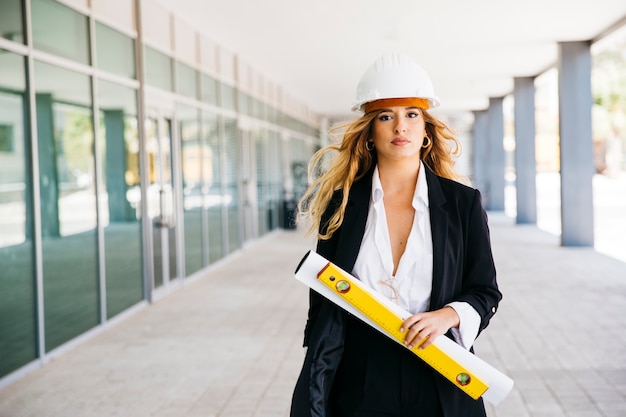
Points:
(336, 167)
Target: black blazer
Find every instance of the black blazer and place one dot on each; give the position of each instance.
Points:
(463, 270)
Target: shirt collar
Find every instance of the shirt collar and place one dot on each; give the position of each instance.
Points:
(420, 196)
(377, 188)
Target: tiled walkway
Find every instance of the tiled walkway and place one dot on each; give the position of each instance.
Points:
(229, 344)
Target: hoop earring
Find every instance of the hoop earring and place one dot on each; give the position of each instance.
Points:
(427, 142)
(369, 145)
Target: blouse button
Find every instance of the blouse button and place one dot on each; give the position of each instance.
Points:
(493, 309)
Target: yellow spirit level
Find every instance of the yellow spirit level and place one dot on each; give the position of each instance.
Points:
(353, 291)
(466, 371)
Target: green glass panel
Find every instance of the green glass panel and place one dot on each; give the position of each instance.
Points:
(187, 80)
(260, 144)
(158, 69)
(209, 89)
(191, 155)
(59, 30)
(231, 182)
(17, 284)
(120, 196)
(11, 20)
(244, 104)
(68, 203)
(212, 184)
(269, 180)
(228, 97)
(300, 155)
(274, 178)
(115, 51)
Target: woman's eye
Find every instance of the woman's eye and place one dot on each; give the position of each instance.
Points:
(384, 117)
(412, 114)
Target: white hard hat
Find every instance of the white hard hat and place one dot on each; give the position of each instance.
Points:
(394, 76)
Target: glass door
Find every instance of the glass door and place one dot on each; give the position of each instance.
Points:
(161, 199)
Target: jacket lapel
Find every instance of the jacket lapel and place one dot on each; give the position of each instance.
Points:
(439, 230)
(355, 219)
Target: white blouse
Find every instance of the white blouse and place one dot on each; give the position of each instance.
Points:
(411, 287)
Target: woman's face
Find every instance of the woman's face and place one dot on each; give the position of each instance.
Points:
(398, 133)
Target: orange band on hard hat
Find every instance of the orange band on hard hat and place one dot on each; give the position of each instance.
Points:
(422, 103)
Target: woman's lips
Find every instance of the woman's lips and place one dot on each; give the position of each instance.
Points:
(400, 141)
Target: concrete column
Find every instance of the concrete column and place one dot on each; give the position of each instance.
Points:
(480, 153)
(496, 163)
(525, 161)
(576, 143)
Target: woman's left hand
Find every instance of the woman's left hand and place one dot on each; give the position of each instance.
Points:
(423, 328)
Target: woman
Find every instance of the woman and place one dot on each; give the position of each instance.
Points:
(389, 209)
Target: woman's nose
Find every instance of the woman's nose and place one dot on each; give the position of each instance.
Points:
(400, 126)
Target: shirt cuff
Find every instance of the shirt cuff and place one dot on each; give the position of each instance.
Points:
(467, 331)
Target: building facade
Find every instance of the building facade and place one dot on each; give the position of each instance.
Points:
(134, 154)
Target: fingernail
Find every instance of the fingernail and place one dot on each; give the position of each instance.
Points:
(401, 329)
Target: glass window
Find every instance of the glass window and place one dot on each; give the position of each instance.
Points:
(244, 104)
(158, 69)
(212, 184)
(269, 181)
(68, 203)
(115, 51)
(17, 285)
(258, 109)
(272, 114)
(187, 83)
(231, 180)
(228, 97)
(300, 155)
(59, 30)
(209, 89)
(191, 153)
(274, 178)
(120, 202)
(11, 20)
(261, 163)
(161, 202)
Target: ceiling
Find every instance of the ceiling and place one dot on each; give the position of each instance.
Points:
(318, 49)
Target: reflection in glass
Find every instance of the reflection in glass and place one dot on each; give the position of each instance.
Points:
(161, 199)
(11, 21)
(212, 186)
(17, 285)
(192, 187)
(68, 203)
(59, 30)
(120, 202)
(231, 199)
(158, 69)
(115, 51)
